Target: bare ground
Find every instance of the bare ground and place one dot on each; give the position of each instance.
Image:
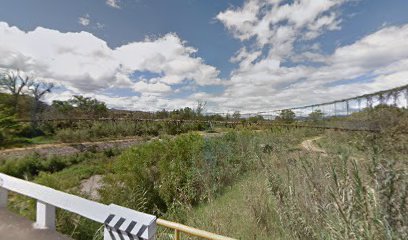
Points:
(64, 149)
(69, 148)
(91, 186)
(310, 146)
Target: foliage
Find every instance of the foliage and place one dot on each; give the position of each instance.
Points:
(243, 180)
(8, 126)
(316, 116)
(22, 87)
(81, 107)
(381, 118)
(38, 91)
(183, 113)
(14, 83)
(357, 191)
(255, 119)
(236, 115)
(89, 130)
(177, 173)
(30, 166)
(287, 116)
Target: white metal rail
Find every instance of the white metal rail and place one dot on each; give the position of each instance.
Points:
(119, 222)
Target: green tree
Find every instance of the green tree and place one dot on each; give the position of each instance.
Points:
(183, 113)
(163, 114)
(255, 119)
(316, 115)
(82, 106)
(9, 127)
(216, 117)
(62, 106)
(287, 115)
(236, 115)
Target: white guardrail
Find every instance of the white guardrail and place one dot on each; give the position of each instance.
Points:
(119, 222)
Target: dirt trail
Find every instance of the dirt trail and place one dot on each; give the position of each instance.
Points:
(69, 148)
(310, 146)
(72, 148)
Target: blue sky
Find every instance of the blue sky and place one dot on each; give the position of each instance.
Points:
(252, 55)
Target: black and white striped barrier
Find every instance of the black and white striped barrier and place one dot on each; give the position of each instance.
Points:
(122, 224)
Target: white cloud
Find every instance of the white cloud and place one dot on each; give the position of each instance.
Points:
(266, 85)
(263, 82)
(158, 87)
(279, 25)
(271, 32)
(100, 25)
(82, 62)
(113, 3)
(84, 20)
(382, 56)
(167, 55)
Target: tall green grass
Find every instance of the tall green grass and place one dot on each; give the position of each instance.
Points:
(357, 191)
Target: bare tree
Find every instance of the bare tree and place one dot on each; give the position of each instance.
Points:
(38, 90)
(13, 82)
(200, 107)
(236, 115)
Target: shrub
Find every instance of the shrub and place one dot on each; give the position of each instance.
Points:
(8, 126)
(179, 172)
(30, 166)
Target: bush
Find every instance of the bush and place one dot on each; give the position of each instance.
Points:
(184, 171)
(8, 126)
(30, 166)
(88, 131)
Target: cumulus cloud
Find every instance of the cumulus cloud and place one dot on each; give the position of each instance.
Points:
(279, 25)
(82, 62)
(263, 81)
(381, 56)
(113, 3)
(280, 64)
(169, 56)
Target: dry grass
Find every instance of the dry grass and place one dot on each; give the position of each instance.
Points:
(357, 191)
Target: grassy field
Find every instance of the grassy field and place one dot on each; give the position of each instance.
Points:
(357, 191)
(245, 184)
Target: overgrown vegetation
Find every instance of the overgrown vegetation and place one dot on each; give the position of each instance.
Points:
(265, 180)
(31, 166)
(357, 190)
(245, 184)
(89, 130)
(8, 126)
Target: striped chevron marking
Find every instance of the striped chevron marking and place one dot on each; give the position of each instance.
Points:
(123, 229)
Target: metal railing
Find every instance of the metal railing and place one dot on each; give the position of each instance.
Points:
(48, 199)
(116, 219)
(180, 228)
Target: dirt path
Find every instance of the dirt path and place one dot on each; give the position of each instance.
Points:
(69, 148)
(310, 146)
(72, 148)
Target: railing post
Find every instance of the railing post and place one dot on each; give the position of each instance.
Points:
(124, 223)
(45, 218)
(176, 234)
(3, 197)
